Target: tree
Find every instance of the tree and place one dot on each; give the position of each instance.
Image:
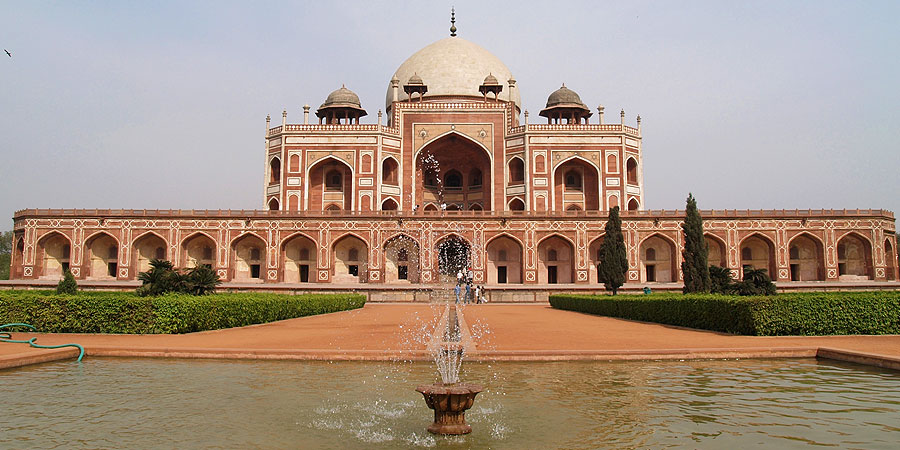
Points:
(613, 257)
(6, 239)
(695, 266)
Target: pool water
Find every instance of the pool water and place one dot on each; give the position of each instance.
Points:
(171, 403)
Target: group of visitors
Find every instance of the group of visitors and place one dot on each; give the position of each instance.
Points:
(473, 294)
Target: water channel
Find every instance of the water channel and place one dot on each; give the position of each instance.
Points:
(171, 403)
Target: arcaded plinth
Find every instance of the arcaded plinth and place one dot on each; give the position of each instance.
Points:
(449, 402)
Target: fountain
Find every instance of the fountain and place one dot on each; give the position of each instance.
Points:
(449, 399)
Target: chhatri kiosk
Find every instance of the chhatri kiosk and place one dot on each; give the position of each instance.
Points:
(452, 170)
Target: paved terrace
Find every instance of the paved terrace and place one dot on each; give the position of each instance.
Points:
(502, 332)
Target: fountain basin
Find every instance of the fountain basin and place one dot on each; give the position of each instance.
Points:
(449, 402)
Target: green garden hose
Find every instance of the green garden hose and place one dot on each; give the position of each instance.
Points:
(7, 337)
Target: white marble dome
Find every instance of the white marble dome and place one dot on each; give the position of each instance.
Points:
(454, 67)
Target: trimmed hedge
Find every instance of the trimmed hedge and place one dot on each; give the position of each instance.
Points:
(787, 314)
(125, 312)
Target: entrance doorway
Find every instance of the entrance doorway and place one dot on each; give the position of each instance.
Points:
(501, 274)
(551, 275)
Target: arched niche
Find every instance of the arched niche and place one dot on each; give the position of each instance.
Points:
(146, 248)
(631, 175)
(556, 261)
(890, 261)
(198, 250)
(248, 254)
(576, 182)
(758, 252)
(516, 204)
(806, 258)
(389, 205)
(401, 260)
(54, 252)
(455, 170)
(351, 256)
(390, 172)
(453, 255)
(101, 257)
(717, 255)
(298, 255)
(854, 258)
(330, 183)
(275, 170)
(504, 261)
(659, 262)
(516, 169)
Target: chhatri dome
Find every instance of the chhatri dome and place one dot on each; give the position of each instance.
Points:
(454, 67)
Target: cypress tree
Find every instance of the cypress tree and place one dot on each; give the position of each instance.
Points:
(695, 266)
(613, 257)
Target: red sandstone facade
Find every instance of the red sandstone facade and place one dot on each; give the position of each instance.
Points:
(453, 173)
(274, 247)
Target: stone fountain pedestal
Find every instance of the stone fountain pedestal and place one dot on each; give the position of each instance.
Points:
(449, 402)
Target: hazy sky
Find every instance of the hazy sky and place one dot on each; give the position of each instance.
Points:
(751, 104)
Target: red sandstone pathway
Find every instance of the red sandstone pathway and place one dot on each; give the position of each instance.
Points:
(501, 332)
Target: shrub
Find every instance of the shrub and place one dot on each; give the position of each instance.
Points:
(720, 280)
(801, 313)
(163, 278)
(126, 312)
(67, 285)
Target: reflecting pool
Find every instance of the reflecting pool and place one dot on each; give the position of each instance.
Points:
(170, 403)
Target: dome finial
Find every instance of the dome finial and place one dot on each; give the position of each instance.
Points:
(452, 22)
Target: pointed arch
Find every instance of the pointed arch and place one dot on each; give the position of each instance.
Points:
(717, 250)
(275, 170)
(504, 259)
(575, 180)
(634, 205)
(298, 255)
(556, 259)
(448, 159)
(351, 258)
(516, 170)
(890, 261)
(516, 204)
(401, 259)
(453, 253)
(854, 254)
(631, 171)
(146, 247)
(390, 171)
(101, 256)
(455, 133)
(54, 252)
(806, 257)
(389, 204)
(198, 248)
(658, 259)
(247, 257)
(322, 191)
(757, 251)
(273, 204)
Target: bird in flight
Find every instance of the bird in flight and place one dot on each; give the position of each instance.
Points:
(7, 53)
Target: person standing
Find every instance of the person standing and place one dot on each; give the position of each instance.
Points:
(468, 292)
(457, 293)
(477, 294)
